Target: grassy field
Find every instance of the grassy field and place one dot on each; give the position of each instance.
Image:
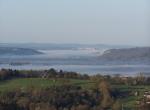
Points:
(40, 83)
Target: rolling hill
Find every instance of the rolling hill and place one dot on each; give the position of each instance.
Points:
(130, 55)
(18, 51)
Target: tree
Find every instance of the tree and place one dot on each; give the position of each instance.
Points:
(52, 73)
(105, 90)
(140, 78)
(117, 105)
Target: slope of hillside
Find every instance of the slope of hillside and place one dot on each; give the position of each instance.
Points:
(139, 54)
(18, 51)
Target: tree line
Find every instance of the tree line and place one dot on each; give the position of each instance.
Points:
(6, 74)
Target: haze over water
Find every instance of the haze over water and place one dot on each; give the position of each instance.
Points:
(82, 60)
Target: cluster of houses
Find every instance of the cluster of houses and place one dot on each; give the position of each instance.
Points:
(145, 100)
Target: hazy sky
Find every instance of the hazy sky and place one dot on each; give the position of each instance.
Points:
(75, 21)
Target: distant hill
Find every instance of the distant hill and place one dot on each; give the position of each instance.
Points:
(131, 55)
(53, 46)
(17, 51)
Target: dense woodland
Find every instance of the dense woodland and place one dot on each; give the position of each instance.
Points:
(67, 96)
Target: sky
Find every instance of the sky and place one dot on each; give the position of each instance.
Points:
(75, 21)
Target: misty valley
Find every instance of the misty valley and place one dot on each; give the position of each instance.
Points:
(90, 59)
